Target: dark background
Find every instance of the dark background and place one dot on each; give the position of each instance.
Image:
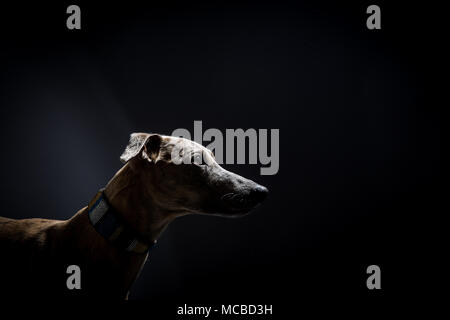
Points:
(359, 127)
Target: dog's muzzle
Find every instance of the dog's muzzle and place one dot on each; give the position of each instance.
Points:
(243, 202)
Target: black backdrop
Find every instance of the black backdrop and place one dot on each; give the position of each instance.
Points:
(359, 128)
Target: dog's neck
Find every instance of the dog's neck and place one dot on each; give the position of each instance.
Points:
(125, 192)
(126, 196)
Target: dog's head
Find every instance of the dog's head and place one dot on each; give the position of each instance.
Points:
(182, 176)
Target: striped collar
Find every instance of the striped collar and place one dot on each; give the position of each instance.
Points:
(111, 226)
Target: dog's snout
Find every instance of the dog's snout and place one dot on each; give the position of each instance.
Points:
(259, 193)
(244, 196)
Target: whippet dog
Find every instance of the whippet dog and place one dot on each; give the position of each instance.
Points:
(109, 239)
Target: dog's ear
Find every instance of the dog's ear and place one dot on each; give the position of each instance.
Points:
(152, 148)
(148, 144)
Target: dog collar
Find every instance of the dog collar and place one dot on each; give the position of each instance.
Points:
(111, 226)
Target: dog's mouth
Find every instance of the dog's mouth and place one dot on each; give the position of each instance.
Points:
(236, 201)
(239, 204)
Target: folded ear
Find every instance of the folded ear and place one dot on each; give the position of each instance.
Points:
(150, 143)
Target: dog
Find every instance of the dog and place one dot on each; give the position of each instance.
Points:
(109, 239)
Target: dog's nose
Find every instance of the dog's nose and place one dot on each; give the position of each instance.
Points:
(259, 193)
